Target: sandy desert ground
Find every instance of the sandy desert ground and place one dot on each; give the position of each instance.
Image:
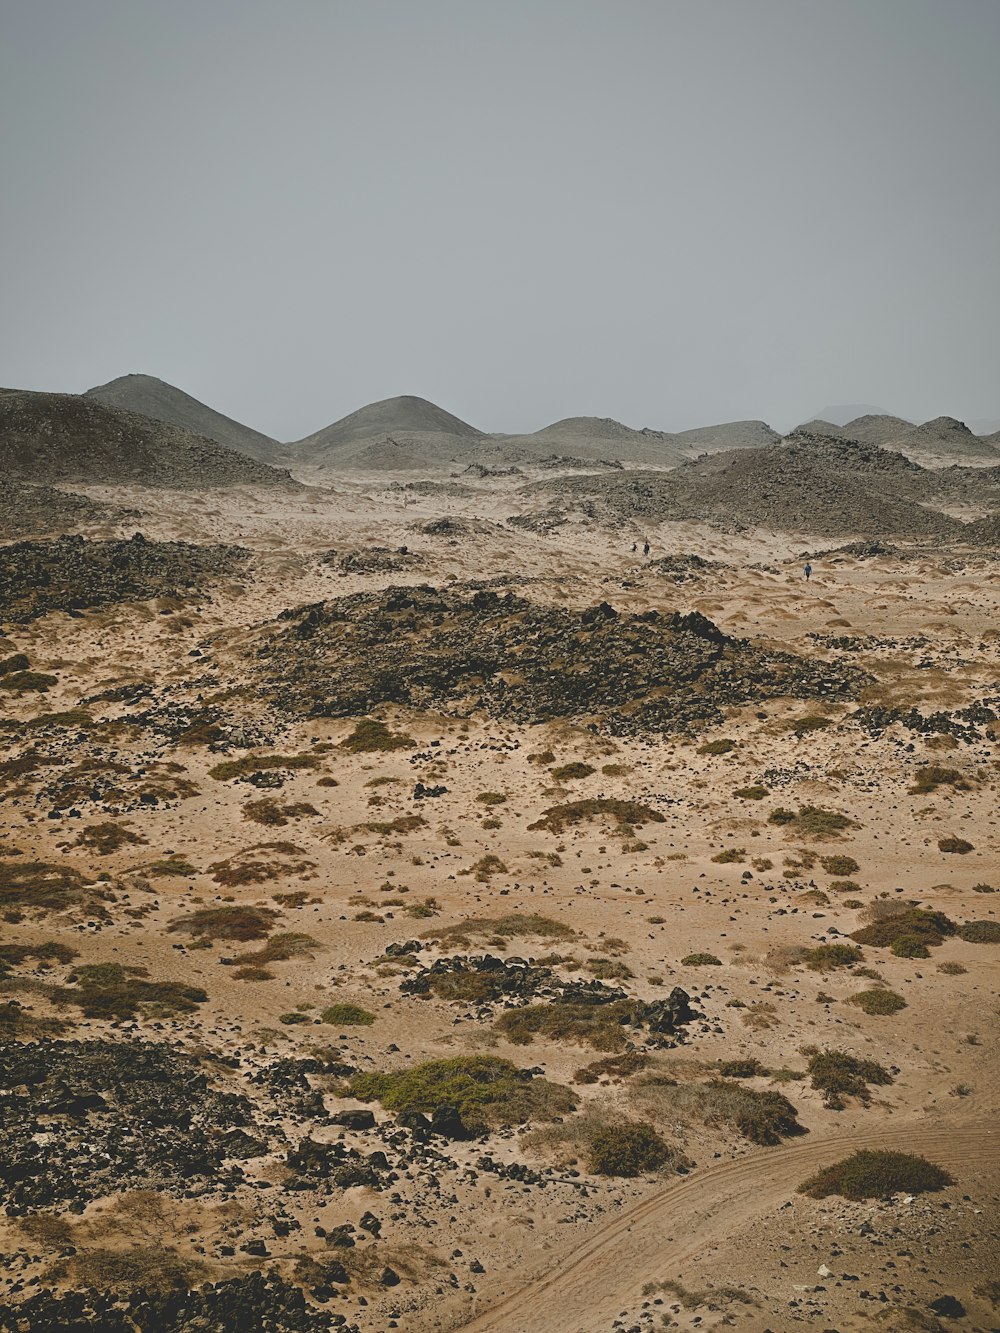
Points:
(198, 870)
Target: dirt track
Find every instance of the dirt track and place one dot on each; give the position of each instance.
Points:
(584, 1288)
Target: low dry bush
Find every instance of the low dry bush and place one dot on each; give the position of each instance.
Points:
(371, 736)
(838, 1075)
(762, 1117)
(625, 814)
(484, 1090)
(227, 923)
(874, 1174)
(877, 1001)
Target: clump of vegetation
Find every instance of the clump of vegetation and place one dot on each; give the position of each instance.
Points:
(27, 682)
(908, 933)
(274, 814)
(844, 886)
(107, 838)
(278, 949)
(573, 772)
(875, 1173)
(701, 960)
(762, 1117)
(755, 793)
(370, 736)
(171, 866)
(153, 1268)
(731, 856)
(503, 928)
(840, 865)
(952, 969)
(932, 776)
(802, 726)
(347, 1015)
(542, 757)
(484, 1090)
(400, 825)
(812, 821)
(597, 1025)
(485, 868)
(838, 1075)
(613, 1067)
(17, 662)
(108, 990)
(614, 770)
(627, 1149)
(14, 955)
(983, 888)
(980, 932)
(608, 969)
(41, 885)
(242, 768)
(878, 1001)
(955, 845)
(227, 923)
(252, 867)
(750, 1067)
(826, 957)
(492, 798)
(625, 814)
(721, 746)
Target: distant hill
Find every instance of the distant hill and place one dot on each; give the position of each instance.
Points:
(154, 398)
(394, 432)
(944, 439)
(56, 437)
(841, 413)
(27, 511)
(728, 435)
(596, 438)
(806, 484)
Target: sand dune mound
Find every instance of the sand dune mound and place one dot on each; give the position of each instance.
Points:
(511, 658)
(808, 484)
(53, 437)
(163, 402)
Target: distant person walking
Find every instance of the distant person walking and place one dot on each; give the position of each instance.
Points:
(634, 548)
(645, 548)
(808, 571)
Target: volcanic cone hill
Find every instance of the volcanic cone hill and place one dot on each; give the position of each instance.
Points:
(403, 432)
(808, 484)
(163, 402)
(943, 439)
(457, 653)
(70, 574)
(597, 438)
(728, 435)
(55, 437)
(27, 510)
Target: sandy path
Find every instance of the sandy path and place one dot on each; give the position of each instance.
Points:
(584, 1288)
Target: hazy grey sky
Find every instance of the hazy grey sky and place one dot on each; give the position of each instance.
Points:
(672, 212)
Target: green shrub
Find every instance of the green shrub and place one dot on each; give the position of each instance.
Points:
(106, 838)
(747, 1068)
(25, 682)
(630, 1148)
(756, 793)
(371, 736)
(838, 1075)
(983, 888)
(875, 1173)
(571, 772)
(108, 990)
(731, 856)
(701, 960)
(812, 821)
(242, 768)
(347, 1015)
(980, 932)
(293, 1018)
(492, 798)
(910, 946)
(932, 776)
(597, 1025)
(484, 1090)
(722, 746)
(626, 814)
(826, 957)
(898, 931)
(878, 1001)
(840, 865)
